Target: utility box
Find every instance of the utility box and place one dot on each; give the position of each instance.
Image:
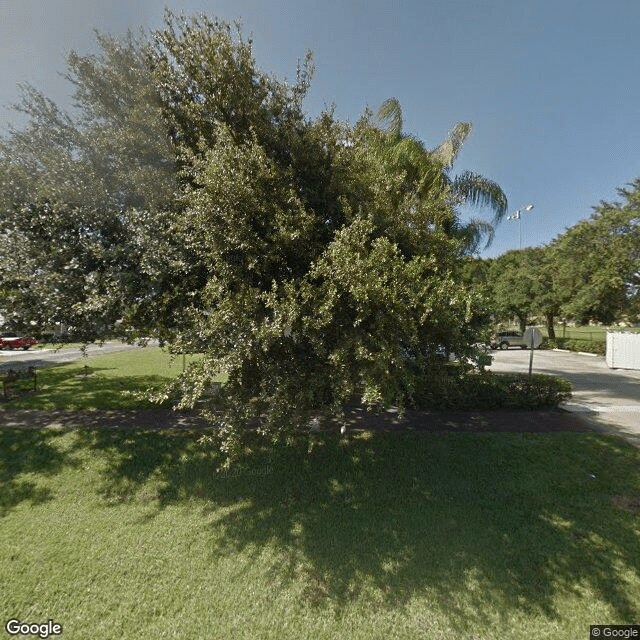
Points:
(623, 350)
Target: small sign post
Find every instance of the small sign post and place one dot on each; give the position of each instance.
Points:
(533, 337)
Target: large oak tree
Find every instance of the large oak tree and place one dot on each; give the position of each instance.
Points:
(190, 197)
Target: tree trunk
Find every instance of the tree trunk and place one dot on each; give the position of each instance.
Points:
(550, 329)
(523, 322)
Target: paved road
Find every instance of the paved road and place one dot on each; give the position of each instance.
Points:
(44, 357)
(610, 398)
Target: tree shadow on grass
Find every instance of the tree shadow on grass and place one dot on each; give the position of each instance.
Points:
(483, 525)
(23, 452)
(134, 456)
(66, 386)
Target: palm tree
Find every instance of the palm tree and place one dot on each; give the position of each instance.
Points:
(429, 170)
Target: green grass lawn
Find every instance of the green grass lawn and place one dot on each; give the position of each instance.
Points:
(591, 333)
(112, 377)
(133, 534)
(57, 346)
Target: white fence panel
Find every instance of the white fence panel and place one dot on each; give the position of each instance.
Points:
(623, 350)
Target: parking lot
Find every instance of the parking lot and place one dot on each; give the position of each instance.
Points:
(610, 398)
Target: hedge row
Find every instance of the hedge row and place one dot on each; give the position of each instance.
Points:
(487, 390)
(572, 344)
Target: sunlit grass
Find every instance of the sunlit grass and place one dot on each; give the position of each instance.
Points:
(102, 381)
(591, 333)
(131, 534)
(58, 346)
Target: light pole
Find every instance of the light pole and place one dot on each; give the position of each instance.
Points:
(518, 216)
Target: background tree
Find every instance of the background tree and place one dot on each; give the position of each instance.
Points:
(522, 286)
(514, 286)
(597, 262)
(546, 301)
(87, 199)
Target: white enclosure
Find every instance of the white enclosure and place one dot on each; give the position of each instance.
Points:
(623, 350)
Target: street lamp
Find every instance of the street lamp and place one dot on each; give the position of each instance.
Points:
(518, 216)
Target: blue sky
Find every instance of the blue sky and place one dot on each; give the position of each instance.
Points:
(551, 86)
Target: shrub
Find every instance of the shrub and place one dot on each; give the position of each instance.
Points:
(487, 390)
(573, 344)
(585, 345)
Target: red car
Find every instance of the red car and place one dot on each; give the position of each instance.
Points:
(12, 341)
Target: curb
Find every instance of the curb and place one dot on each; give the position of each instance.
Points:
(580, 353)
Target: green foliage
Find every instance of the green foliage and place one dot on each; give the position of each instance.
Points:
(475, 274)
(364, 322)
(85, 231)
(572, 344)
(428, 171)
(598, 262)
(207, 76)
(521, 286)
(513, 284)
(112, 154)
(588, 274)
(330, 260)
(484, 391)
(192, 199)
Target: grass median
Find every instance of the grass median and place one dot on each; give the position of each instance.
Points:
(101, 381)
(129, 534)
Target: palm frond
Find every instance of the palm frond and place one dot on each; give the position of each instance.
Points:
(481, 192)
(474, 232)
(410, 150)
(433, 179)
(447, 151)
(390, 116)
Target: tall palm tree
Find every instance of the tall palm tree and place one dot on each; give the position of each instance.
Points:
(429, 169)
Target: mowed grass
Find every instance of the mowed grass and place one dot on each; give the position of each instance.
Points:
(57, 346)
(133, 534)
(112, 381)
(592, 333)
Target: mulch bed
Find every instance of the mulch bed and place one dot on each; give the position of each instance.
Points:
(544, 421)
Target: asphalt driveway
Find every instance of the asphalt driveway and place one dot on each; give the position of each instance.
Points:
(609, 398)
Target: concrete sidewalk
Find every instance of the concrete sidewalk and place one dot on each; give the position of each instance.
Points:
(608, 398)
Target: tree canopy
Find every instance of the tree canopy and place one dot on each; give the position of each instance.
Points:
(597, 261)
(589, 273)
(189, 197)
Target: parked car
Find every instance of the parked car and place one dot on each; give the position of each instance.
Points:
(13, 341)
(506, 339)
